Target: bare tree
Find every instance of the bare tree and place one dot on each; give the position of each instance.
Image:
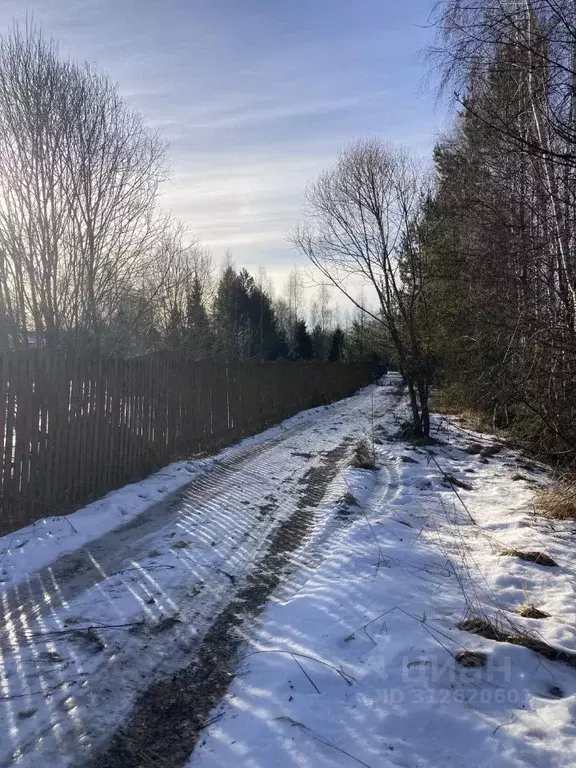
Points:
(36, 280)
(115, 168)
(204, 270)
(79, 182)
(294, 296)
(321, 312)
(362, 219)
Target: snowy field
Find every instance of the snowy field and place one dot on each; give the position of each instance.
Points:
(356, 658)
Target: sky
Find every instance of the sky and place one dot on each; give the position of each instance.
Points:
(255, 97)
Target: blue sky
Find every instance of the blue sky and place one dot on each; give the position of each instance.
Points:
(256, 97)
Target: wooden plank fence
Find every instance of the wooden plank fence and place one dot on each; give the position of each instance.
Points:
(73, 427)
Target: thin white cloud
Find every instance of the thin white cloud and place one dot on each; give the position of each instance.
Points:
(256, 98)
(247, 114)
(233, 200)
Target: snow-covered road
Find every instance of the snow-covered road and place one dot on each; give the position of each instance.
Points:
(115, 609)
(284, 609)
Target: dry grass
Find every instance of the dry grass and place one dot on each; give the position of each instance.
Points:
(348, 499)
(531, 556)
(472, 659)
(453, 401)
(181, 544)
(529, 611)
(405, 431)
(479, 625)
(557, 503)
(363, 456)
(347, 505)
(477, 421)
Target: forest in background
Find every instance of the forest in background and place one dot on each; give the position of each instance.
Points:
(500, 242)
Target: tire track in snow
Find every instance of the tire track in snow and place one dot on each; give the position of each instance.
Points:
(169, 716)
(167, 719)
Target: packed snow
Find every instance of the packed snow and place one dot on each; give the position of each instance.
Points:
(40, 543)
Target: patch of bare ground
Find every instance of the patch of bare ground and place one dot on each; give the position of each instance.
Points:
(531, 556)
(479, 625)
(167, 719)
(529, 611)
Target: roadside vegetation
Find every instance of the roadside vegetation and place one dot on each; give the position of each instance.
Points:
(474, 263)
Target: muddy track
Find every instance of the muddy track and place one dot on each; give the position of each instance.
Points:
(167, 718)
(82, 569)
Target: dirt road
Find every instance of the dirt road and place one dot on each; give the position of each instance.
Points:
(117, 652)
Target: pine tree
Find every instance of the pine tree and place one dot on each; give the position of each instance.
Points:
(337, 346)
(302, 341)
(279, 349)
(319, 343)
(231, 323)
(264, 341)
(175, 331)
(245, 319)
(198, 331)
(366, 341)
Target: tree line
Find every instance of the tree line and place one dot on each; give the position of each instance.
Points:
(502, 223)
(474, 260)
(237, 317)
(88, 258)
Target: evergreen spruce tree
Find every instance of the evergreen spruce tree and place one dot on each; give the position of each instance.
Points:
(319, 343)
(175, 331)
(337, 346)
(198, 331)
(302, 341)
